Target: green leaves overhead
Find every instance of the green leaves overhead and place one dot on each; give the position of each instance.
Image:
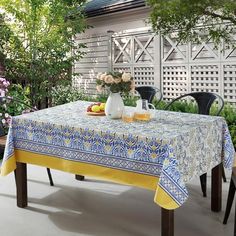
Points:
(37, 41)
(195, 20)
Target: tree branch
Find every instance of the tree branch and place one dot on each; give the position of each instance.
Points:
(215, 15)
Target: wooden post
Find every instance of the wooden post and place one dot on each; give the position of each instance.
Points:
(21, 185)
(79, 177)
(167, 222)
(216, 188)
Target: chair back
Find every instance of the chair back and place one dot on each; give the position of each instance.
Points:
(204, 101)
(149, 92)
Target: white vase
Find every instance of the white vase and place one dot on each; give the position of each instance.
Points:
(114, 106)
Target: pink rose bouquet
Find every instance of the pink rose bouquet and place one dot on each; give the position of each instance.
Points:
(116, 82)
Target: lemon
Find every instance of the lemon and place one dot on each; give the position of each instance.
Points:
(102, 106)
(95, 108)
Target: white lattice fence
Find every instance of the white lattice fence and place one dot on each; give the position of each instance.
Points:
(122, 68)
(205, 78)
(144, 75)
(194, 68)
(134, 53)
(230, 82)
(175, 68)
(174, 81)
(94, 61)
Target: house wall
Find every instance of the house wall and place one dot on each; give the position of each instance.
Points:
(123, 41)
(98, 39)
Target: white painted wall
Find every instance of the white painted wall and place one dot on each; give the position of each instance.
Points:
(128, 21)
(98, 41)
(175, 69)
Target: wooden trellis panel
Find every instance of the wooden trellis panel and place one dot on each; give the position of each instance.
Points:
(174, 67)
(205, 78)
(202, 66)
(123, 68)
(136, 52)
(94, 61)
(230, 82)
(174, 81)
(144, 75)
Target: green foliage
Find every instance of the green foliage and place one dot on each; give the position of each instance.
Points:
(62, 94)
(20, 101)
(229, 113)
(13, 107)
(130, 100)
(100, 98)
(195, 20)
(37, 38)
(184, 106)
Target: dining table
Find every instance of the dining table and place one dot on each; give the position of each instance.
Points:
(163, 154)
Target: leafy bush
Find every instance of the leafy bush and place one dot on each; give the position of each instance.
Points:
(229, 113)
(14, 101)
(130, 100)
(62, 94)
(36, 47)
(20, 100)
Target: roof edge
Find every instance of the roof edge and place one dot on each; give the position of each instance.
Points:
(116, 8)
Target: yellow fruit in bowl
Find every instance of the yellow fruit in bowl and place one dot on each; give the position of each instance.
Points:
(102, 106)
(95, 108)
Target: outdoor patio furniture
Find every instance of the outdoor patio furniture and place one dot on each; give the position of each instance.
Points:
(204, 102)
(232, 188)
(149, 93)
(3, 136)
(65, 138)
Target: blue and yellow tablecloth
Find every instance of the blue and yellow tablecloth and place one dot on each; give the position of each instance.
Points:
(162, 155)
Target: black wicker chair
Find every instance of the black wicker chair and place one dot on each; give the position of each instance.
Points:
(204, 102)
(149, 92)
(3, 135)
(230, 199)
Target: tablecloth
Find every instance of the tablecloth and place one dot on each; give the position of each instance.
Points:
(163, 154)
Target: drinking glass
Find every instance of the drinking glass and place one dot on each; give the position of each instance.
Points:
(128, 116)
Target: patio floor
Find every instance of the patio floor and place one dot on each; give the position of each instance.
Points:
(99, 208)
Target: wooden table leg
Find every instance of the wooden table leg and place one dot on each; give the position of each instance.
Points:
(216, 188)
(21, 185)
(79, 177)
(167, 222)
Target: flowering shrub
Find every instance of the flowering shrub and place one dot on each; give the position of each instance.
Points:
(5, 117)
(62, 94)
(13, 101)
(4, 84)
(116, 82)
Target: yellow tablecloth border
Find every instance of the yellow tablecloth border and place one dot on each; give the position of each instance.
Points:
(114, 175)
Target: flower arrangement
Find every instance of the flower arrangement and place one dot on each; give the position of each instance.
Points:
(116, 82)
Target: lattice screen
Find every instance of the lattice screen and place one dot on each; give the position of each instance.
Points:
(122, 69)
(94, 61)
(230, 83)
(205, 78)
(178, 68)
(144, 75)
(135, 54)
(175, 81)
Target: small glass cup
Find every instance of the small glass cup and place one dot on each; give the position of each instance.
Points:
(142, 116)
(128, 116)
